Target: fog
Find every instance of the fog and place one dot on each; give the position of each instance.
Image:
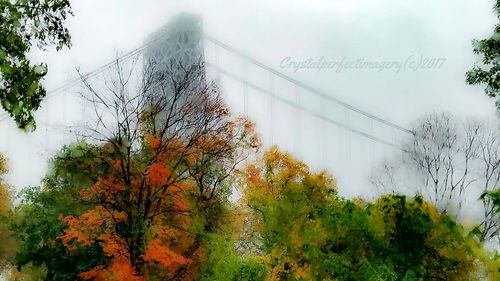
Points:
(282, 34)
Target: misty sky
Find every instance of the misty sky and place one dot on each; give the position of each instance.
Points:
(385, 30)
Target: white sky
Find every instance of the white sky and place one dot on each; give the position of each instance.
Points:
(272, 30)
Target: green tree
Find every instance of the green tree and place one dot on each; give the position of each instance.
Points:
(8, 245)
(308, 232)
(5, 190)
(420, 243)
(488, 72)
(36, 222)
(223, 262)
(24, 23)
(490, 228)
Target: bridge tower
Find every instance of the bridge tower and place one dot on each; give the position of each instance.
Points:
(179, 43)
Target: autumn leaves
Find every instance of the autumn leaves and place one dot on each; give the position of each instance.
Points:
(146, 196)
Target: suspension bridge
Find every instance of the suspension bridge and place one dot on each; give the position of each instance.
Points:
(312, 124)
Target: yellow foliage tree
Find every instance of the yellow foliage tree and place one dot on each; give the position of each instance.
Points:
(8, 244)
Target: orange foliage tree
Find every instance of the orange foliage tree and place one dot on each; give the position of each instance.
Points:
(171, 148)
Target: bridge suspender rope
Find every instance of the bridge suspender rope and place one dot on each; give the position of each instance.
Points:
(99, 70)
(297, 106)
(307, 87)
(321, 134)
(271, 107)
(272, 94)
(245, 89)
(297, 144)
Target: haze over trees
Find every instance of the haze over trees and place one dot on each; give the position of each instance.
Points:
(487, 73)
(146, 193)
(453, 163)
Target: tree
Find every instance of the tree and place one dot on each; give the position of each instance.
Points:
(420, 243)
(309, 233)
(449, 162)
(488, 72)
(490, 227)
(36, 224)
(489, 163)
(223, 262)
(172, 147)
(287, 204)
(24, 23)
(9, 245)
(438, 161)
(5, 192)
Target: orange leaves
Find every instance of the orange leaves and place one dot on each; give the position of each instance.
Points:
(86, 194)
(279, 172)
(112, 245)
(152, 141)
(110, 185)
(119, 270)
(148, 195)
(248, 125)
(180, 203)
(84, 230)
(253, 174)
(183, 186)
(74, 233)
(285, 166)
(103, 187)
(164, 255)
(177, 193)
(120, 216)
(117, 165)
(122, 270)
(158, 173)
(212, 142)
(81, 229)
(219, 108)
(192, 155)
(98, 226)
(97, 273)
(176, 145)
(255, 141)
(225, 138)
(248, 128)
